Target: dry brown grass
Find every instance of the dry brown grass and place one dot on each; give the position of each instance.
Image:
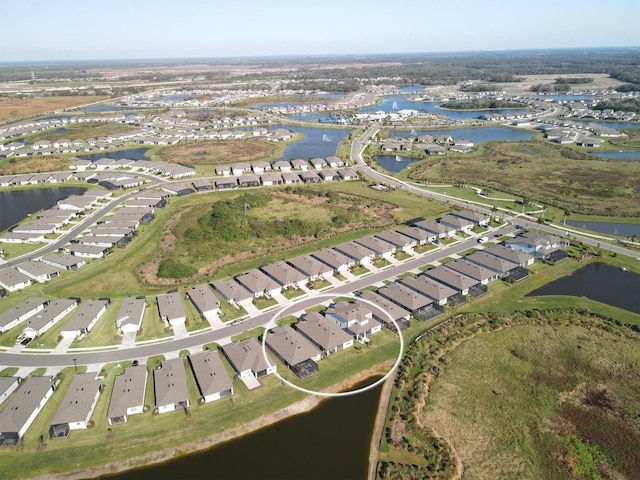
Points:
(218, 152)
(14, 108)
(33, 165)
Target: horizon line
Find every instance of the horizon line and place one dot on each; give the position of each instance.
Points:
(314, 55)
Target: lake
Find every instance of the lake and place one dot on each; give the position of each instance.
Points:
(131, 154)
(630, 155)
(395, 163)
(16, 205)
(317, 142)
(393, 103)
(599, 282)
(330, 442)
(476, 135)
(610, 228)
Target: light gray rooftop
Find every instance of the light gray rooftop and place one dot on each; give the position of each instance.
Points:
(322, 331)
(291, 345)
(451, 278)
(21, 309)
(405, 297)
(170, 382)
(77, 402)
(85, 315)
(131, 311)
(231, 290)
(170, 306)
(428, 287)
(128, 391)
(246, 355)
(283, 273)
(24, 402)
(51, 311)
(210, 373)
(203, 298)
(257, 281)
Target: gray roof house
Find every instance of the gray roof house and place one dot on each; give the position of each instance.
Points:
(405, 297)
(285, 275)
(311, 267)
(475, 217)
(379, 246)
(538, 244)
(499, 265)
(85, 318)
(211, 376)
(63, 260)
(13, 280)
(24, 407)
(435, 228)
(292, 348)
(47, 318)
(258, 283)
(38, 271)
(8, 385)
(452, 278)
(131, 313)
(383, 309)
(355, 318)
(78, 404)
(205, 301)
(170, 386)
(358, 253)
(127, 395)
(324, 333)
(401, 242)
(337, 261)
(436, 291)
(420, 236)
(232, 291)
(171, 309)
(516, 256)
(473, 270)
(21, 312)
(246, 358)
(456, 223)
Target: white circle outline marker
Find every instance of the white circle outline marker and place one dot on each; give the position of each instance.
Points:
(329, 394)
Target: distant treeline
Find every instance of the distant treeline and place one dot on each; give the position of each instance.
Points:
(573, 80)
(477, 104)
(620, 104)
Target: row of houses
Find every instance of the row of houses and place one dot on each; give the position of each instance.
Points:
(115, 230)
(294, 273)
(283, 166)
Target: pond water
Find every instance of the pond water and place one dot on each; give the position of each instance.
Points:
(611, 228)
(395, 163)
(599, 282)
(317, 142)
(393, 103)
(330, 442)
(630, 155)
(107, 108)
(476, 135)
(131, 154)
(16, 205)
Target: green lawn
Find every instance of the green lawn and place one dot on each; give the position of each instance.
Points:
(402, 256)
(427, 247)
(359, 270)
(292, 293)
(263, 303)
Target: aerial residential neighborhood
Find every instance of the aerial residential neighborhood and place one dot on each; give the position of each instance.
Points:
(397, 262)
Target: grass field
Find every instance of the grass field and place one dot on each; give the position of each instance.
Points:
(540, 401)
(14, 108)
(219, 152)
(548, 174)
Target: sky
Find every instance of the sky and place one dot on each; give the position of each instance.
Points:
(42, 30)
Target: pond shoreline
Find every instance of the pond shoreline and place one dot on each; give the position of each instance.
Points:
(165, 454)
